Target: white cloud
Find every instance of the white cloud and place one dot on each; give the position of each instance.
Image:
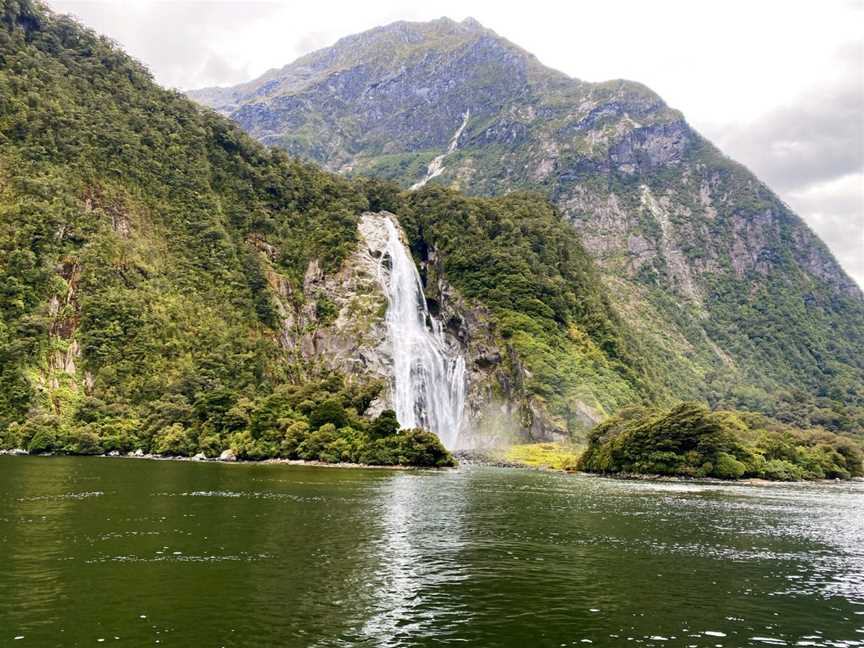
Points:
(183, 43)
(835, 211)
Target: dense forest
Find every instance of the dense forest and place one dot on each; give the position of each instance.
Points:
(692, 441)
(135, 311)
(134, 296)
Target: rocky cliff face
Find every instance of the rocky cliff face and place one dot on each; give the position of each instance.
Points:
(339, 322)
(725, 284)
(498, 407)
(340, 325)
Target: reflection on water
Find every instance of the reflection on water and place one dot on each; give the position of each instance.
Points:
(34, 529)
(185, 554)
(418, 553)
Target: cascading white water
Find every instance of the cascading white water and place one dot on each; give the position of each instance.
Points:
(430, 381)
(436, 166)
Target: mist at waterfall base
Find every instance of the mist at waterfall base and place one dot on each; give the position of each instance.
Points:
(429, 379)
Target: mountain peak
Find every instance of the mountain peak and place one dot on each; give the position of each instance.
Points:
(417, 32)
(443, 24)
(472, 23)
(382, 52)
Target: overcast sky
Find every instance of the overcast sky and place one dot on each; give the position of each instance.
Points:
(778, 85)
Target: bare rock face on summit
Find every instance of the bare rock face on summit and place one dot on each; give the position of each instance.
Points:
(727, 287)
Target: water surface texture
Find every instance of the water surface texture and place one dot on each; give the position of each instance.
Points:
(121, 551)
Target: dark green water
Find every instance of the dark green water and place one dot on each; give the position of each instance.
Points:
(119, 551)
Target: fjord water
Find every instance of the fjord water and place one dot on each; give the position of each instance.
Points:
(430, 381)
(135, 552)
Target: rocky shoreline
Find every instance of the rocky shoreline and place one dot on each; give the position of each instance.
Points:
(463, 457)
(487, 458)
(226, 457)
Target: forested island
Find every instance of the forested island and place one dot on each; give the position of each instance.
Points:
(689, 440)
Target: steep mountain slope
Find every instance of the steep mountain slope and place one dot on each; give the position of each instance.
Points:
(129, 287)
(169, 284)
(732, 295)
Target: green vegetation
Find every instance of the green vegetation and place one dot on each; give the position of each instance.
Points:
(320, 420)
(792, 322)
(554, 456)
(691, 440)
(138, 236)
(516, 257)
(142, 239)
(135, 309)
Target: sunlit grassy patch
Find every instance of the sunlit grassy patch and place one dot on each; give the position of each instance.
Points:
(556, 456)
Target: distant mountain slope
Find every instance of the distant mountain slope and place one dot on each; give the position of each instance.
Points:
(740, 302)
(168, 283)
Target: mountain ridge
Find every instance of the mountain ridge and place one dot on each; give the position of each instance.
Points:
(725, 282)
(170, 285)
(347, 53)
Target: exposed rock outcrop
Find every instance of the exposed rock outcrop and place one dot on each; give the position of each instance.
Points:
(341, 326)
(340, 322)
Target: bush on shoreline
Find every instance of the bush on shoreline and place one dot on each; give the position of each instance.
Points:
(692, 441)
(317, 421)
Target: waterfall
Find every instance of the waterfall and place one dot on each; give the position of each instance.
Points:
(429, 380)
(436, 166)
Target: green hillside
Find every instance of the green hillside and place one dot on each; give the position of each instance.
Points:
(138, 309)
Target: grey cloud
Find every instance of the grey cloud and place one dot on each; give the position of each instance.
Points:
(819, 138)
(218, 71)
(312, 41)
(812, 154)
(173, 38)
(835, 211)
